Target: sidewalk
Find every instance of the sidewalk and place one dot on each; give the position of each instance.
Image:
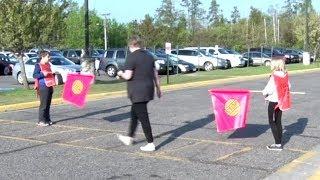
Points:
(306, 166)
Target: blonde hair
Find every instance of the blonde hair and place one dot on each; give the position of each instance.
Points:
(278, 65)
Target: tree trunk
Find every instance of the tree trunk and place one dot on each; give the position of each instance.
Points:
(23, 72)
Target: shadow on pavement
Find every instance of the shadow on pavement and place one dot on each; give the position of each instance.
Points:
(118, 117)
(252, 130)
(190, 126)
(92, 114)
(293, 129)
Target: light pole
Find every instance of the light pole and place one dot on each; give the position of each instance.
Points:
(105, 31)
(86, 27)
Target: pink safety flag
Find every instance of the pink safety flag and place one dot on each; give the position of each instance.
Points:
(76, 89)
(230, 108)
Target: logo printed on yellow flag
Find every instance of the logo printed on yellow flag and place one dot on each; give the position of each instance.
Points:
(232, 107)
(77, 87)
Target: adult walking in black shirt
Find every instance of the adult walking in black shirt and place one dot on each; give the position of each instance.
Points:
(141, 77)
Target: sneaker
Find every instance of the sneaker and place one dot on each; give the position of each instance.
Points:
(42, 124)
(275, 147)
(125, 139)
(50, 122)
(148, 147)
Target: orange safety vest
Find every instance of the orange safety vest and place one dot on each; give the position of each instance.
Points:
(284, 97)
(49, 79)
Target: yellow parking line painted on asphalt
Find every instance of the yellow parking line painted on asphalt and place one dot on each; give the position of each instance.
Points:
(295, 163)
(92, 137)
(54, 133)
(315, 176)
(246, 149)
(179, 148)
(210, 141)
(22, 139)
(297, 150)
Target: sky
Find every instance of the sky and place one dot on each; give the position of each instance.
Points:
(125, 11)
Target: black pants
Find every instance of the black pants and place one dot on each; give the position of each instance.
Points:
(139, 112)
(275, 122)
(45, 103)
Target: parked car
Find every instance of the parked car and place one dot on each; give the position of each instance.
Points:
(73, 54)
(60, 66)
(26, 56)
(271, 52)
(291, 57)
(162, 66)
(199, 60)
(221, 53)
(6, 65)
(182, 66)
(258, 58)
(114, 59)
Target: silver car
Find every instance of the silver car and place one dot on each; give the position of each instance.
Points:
(60, 66)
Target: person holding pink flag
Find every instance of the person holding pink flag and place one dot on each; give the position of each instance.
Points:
(277, 94)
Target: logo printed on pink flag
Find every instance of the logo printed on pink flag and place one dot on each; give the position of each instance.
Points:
(76, 89)
(230, 108)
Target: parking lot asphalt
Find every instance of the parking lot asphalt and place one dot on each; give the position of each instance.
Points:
(82, 143)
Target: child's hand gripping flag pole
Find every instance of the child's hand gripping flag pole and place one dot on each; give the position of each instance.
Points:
(230, 108)
(76, 89)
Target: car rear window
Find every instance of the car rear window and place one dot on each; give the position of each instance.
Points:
(109, 54)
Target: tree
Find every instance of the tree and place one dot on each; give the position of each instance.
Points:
(195, 13)
(147, 31)
(74, 31)
(31, 23)
(166, 14)
(235, 15)
(213, 13)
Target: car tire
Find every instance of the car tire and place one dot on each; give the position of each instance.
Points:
(6, 71)
(19, 78)
(267, 63)
(111, 71)
(208, 66)
(58, 79)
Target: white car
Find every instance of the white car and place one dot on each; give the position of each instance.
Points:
(27, 56)
(59, 65)
(198, 59)
(235, 59)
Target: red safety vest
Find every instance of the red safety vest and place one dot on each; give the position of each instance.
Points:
(49, 79)
(284, 97)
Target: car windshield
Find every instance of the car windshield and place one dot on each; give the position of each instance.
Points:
(60, 61)
(100, 51)
(223, 51)
(55, 53)
(231, 51)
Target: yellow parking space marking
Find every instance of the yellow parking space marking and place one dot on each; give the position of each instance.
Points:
(297, 150)
(210, 141)
(54, 133)
(22, 139)
(295, 163)
(315, 176)
(246, 149)
(101, 149)
(92, 137)
(179, 148)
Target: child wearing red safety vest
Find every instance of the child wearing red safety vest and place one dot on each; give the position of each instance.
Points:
(44, 83)
(277, 93)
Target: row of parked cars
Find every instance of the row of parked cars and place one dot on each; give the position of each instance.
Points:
(183, 60)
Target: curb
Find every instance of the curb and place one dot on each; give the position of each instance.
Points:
(167, 88)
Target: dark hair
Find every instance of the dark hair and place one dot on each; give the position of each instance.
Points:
(43, 53)
(135, 41)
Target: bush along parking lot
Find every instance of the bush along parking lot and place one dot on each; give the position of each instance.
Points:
(21, 95)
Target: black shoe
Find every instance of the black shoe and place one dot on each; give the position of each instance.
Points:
(275, 147)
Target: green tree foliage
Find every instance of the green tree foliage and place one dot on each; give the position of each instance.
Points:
(213, 13)
(195, 14)
(27, 24)
(235, 15)
(74, 33)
